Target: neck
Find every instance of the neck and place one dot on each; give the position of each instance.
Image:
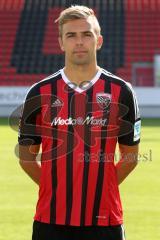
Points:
(78, 74)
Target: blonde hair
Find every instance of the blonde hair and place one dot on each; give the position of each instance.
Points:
(77, 12)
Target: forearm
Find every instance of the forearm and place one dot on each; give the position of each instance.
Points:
(27, 156)
(124, 168)
(129, 160)
(33, 169)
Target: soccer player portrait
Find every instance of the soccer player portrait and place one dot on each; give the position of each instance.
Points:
(77, 116)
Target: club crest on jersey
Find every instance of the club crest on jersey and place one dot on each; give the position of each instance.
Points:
(103, 100)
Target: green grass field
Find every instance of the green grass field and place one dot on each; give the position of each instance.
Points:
(140, 192)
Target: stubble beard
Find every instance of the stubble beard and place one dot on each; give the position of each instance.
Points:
(81, 61)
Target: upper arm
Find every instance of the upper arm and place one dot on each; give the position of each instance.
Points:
(129, 153)
(124, 149)
(130, 122)
(28, 153)
(30, 119)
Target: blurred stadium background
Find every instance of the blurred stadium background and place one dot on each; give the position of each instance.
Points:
(29, 51)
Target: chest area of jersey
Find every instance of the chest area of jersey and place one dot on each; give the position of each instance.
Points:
(74, 109)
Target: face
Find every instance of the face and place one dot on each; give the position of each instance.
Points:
(80, 42)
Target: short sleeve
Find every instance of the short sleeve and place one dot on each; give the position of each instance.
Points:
(30, 119)
(130, 121)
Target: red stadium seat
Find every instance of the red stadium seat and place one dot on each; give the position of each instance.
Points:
(51, 45)
(142, 37)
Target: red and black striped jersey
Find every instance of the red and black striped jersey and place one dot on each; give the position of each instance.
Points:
(78, 128)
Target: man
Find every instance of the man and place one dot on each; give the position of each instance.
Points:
(77, 116)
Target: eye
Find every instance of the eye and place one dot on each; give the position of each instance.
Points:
(88, 34)
(70, 35)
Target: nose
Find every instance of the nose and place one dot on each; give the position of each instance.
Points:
(79, 40)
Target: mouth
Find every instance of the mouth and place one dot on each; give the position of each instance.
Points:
(79, 52)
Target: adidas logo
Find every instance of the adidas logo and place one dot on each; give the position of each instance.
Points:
(57, 103)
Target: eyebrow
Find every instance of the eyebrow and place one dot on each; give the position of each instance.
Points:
(68, 33)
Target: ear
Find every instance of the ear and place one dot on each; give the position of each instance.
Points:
(99, 42)
(61, 43)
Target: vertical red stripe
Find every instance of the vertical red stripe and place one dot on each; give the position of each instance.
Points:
(78, 163)
(45, 191)
(113, 127)
(109, 183)
(94, 150)
(61, 155)
(104, 209)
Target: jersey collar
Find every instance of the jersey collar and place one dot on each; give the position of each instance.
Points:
(85, 86)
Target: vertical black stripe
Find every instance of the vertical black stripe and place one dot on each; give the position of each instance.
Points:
(69, 158)
(28, 124)
(87, 140)
(54, 155)
(98, 194)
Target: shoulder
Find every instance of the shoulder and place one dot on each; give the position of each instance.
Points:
(35, 88)
(108, 76)
(49, 79)
(126, 87)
